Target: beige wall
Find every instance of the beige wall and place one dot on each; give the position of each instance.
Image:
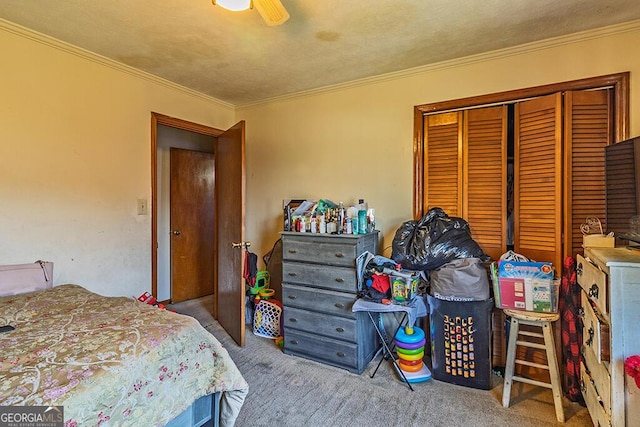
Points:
(75, 145)
(357, 141)
(75, 156)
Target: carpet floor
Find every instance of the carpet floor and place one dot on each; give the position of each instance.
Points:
(292, 391)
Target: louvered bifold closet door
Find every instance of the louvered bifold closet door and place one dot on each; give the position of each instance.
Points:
(485, 177)
(443, 163)
(538, 179)
(588, 116)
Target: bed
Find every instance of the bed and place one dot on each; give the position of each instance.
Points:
(113, 361)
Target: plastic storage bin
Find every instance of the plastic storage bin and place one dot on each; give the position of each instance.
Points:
(528, 286)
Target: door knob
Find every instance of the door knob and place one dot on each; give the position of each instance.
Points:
(175, 232)
(241, 245)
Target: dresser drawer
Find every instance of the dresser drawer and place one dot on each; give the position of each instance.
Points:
(594, 282)
(326, 350)
(320, 250)
(592, 400)
(320, 323)
(595, 331)
(341, 279)
(318, 300)
(599, 377)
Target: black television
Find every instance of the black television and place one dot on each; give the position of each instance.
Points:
(622, 174)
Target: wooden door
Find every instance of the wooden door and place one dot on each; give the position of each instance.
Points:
(230, 215)
(588, 118)
(465, 160)
(538, 194)
(485, 177)
(192, 224)
(443, 163)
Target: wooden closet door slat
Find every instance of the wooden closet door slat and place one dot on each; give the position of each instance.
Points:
(538, 179)
(485, 177)
(443, 163)
(588, 124)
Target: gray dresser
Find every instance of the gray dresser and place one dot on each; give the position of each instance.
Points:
(318, 290)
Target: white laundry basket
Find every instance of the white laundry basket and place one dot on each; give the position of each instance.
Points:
(266, 318)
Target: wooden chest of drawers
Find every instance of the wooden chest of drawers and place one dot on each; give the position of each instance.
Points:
(610, 282)
(319, 288)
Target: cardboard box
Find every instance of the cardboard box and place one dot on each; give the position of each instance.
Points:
(526, 286)
(598, 241)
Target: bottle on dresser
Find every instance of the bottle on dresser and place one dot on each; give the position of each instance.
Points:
(362, 217)
(340, 225)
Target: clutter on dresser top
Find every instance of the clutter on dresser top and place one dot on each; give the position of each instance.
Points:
(327, 217)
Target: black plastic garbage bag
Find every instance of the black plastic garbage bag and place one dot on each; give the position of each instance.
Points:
(433, 241)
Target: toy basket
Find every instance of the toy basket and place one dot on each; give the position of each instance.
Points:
(266, 319)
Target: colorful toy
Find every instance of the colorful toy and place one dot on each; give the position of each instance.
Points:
(262, 282)
(403, 285)
(280, 342)
(149, 299)
(266, 293)
(409, 345)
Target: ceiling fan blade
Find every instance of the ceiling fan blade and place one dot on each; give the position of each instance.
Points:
(272, 11)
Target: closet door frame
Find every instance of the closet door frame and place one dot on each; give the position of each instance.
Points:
(619, 83)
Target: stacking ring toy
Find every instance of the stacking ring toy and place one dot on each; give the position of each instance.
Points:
(418, 356)
(416, 336)
(410, 368)
(411, 362)
(410, 346)
(401, 350)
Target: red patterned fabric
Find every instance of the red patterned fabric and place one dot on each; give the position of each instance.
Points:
(571, 326)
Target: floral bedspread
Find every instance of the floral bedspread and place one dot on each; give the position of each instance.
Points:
(109, 361)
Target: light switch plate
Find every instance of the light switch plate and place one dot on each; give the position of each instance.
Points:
(142, 207)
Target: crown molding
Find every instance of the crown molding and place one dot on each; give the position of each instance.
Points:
(37, 37)
(467, 60)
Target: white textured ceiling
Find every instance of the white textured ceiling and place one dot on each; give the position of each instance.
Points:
(237, 58)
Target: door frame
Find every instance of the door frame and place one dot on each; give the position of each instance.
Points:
(161, 119)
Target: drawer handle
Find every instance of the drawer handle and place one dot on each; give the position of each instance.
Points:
(593, 291)
(340, 354)
(339, 280)
(292, 251)
(339, 305)
(583, 388)
(292, 274)
(293, 320)
(340, 329)
(591, 332)
(581, 312)
(339, 255)
(579, 269)
(292, 297)
(294, 342)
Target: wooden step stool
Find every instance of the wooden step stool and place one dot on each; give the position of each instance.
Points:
(541, 320)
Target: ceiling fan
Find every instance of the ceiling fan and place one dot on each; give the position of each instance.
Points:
(272, 11)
